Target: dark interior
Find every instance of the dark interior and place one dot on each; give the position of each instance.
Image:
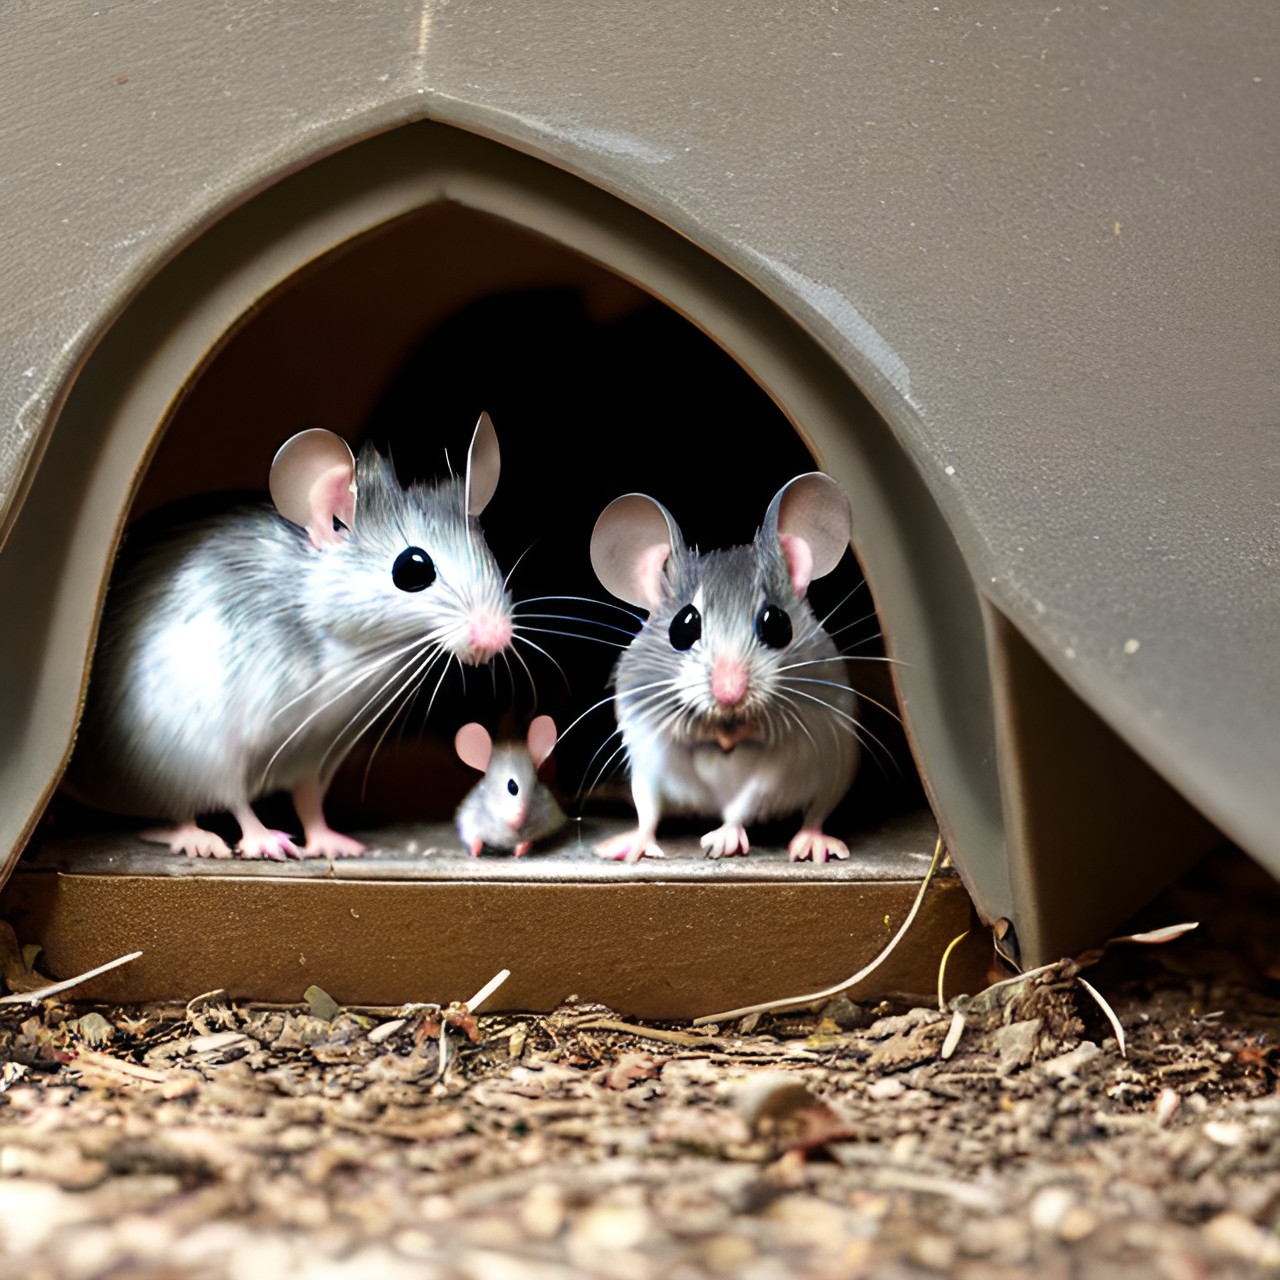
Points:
(403, 337)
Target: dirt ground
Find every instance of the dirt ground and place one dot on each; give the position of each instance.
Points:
(219, 1140)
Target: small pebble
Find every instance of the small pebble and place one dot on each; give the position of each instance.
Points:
(933, 1251)
(1167, 1105)
(885, 1088)
(1238, 1236)
(1077, 1223)
(1224, 1133)
(1049, 1206)
(542, 1211)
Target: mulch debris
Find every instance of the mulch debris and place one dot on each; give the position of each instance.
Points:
(1005, 1135)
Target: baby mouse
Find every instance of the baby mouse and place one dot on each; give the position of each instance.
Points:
(245, 653)
(508, 808)
(732, 699)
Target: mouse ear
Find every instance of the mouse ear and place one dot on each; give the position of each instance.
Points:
(541, 739)
(474, 746)
(630, 544)
(483, 465)
(809, 517)
(313, 481)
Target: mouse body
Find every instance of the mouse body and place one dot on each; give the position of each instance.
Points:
(245, 653)
(732, 700)
(509, 808)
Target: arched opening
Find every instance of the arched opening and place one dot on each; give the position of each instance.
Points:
(398, 277)
(403, 336)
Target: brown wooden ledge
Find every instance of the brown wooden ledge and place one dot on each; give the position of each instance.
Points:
(418, 920)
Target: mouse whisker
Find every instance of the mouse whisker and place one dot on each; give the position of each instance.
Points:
(835, 684)
(568, 617)
(849, 626)
(377, 701)
(539, 649)
(340, 671)
(852, 723)
(506, 582)
(595, 706)
(519, 657)
(848, 595)
(600, 604)
(573, 635)
(369, 671)
(417, 680)
(585, 794)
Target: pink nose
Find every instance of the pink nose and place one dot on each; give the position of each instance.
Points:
(728, 681)
(490, 633)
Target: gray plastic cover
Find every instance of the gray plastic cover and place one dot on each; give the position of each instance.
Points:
(1041, 238)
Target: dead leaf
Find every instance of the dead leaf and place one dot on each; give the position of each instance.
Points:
(781, 1108)
(631, 1067)
(320, 1004)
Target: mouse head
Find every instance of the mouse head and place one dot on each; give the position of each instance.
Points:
(511, 772)
(313, 481)
(638, 552)
(402, 562)
(724, 627)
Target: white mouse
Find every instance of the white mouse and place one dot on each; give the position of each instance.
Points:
(246, 653)
(732, 700)
(509, 808)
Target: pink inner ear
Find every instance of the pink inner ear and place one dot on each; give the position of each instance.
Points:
(541, 739)
(799, 558)
(331, 495)
(648, 572)
(474, 746)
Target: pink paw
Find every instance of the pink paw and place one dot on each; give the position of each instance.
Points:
(275, 845)
(726, 842)
(808, 843)
(194, 841)
(327, 843)
(629, 847)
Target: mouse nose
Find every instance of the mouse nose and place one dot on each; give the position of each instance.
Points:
(729, 681)
(489, 634)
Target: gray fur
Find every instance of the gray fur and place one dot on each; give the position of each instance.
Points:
(803, 751)
(236, 659)
(485, 812)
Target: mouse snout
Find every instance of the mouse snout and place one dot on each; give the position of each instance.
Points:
(488, 634)
(515, 819)
(728, 681)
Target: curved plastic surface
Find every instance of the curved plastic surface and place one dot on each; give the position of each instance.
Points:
(1043, 246)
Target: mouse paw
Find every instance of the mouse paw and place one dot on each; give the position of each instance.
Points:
(328, 843)
(629, 847)
(726, 842)
(190, 839)
(811, 843)
(274, 845)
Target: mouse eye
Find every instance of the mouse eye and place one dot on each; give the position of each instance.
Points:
(413, 570)
(513, 786)
(773, 627)
(685, 628)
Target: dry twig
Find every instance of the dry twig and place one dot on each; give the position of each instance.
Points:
(814, 996)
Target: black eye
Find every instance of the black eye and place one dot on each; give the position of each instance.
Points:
(686, 627)
(513, 786)
(773, 627)
(413, 570)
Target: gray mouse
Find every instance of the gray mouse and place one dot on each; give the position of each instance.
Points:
(245, 653)
(732, 700)
(509, 808)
